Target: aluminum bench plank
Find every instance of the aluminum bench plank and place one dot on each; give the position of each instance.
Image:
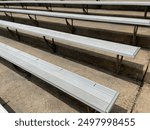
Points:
(81, 42)
(89, 92)
(2, 109)
(124, 3)
(27, 58)
(95, 18)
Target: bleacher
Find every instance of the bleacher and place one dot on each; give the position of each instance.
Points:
(122, 57)
(85, 5)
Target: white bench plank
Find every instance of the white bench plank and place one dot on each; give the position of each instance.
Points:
(95, 18)
(81, 42)
(2, 109)
(123, 3)
(91, 93)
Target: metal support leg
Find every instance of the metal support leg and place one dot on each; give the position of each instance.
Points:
(17, 34)
(6, 14)
(23, 6)
(145, 12)
(49, 8)
(134, 40)
(6, 6)
(70, 25)
(91, 110)
(64, 5)
(88, 109)
(11, 16)
(50, 44)
(119, 63)
(12, 33)
(34, 19)
(85, 10)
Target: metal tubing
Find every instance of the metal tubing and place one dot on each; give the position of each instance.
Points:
(119, 63)
(50, 44)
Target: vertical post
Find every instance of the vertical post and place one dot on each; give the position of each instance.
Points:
(34, 19)
(145, 12)
(23, 6)
(71, 27)
(6, 6)
(11, 16)
(85, 9)
(119, 63)
(49, 9)
(134, 39)
(18, 36)
(50, 44)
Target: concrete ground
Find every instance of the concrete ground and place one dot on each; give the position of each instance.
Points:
(143, 100)
(21, 93)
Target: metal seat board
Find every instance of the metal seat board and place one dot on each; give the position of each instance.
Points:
(75, 85)
(82, 42)
(124, 3)
(95, 18)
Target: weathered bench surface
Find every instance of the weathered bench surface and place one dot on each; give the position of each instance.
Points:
(89, 92)
(81, 42)
(135, 3)
(95, 18)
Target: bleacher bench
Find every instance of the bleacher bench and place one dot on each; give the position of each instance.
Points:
(89, 92)
(95, 18)
(81, 4)
(136, 22)
(82, 42)
(90, 3)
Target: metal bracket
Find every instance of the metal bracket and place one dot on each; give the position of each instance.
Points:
(119, 63)
(23, 6)
(145, 12)
(70, 25)
(6, 6)
(88, 109)
(50, 44)
(30, 17)
(11, 16)
(18, 36)
(49, 8)
(12, 33)
(134, 40)
(85, 9)
(34, 19)
(64, 5)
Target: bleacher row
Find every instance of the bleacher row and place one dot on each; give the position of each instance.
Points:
(99, 97)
